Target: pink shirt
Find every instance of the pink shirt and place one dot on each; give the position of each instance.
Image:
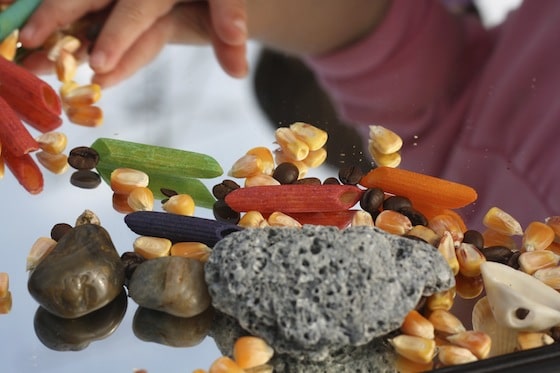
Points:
(477, 106)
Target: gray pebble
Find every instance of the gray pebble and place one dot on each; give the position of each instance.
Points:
(312, 291)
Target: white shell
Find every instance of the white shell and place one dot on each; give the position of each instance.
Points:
(504, 339)
(508, 290)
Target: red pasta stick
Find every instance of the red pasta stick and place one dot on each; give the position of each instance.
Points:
(36, 102)
(25, 170)
(14, 136)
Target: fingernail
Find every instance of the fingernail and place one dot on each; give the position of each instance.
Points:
(97, 60)
(27, 33)
(241, 26)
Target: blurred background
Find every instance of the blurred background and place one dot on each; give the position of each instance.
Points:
(181, 100)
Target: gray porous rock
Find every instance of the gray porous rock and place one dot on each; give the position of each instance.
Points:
(312, 291)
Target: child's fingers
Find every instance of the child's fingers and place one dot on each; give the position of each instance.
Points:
(229, 21)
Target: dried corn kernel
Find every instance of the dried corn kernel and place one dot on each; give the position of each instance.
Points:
(259, 180)
(531, 261)
(181, 204)
(87, 116)
(253, 219)
(495, 238)
(39, 250)
(281, 157)
(549, 276)
(405, 365)
(4, 284)
(477, 342)
(279, 219)
(441, 301)
(152, 247)
(315, 158)
(249, 352)
(418, 349)
(141, 199)
(66, 66)
(455, 355)
(554, 223)
(362, 218)
(52, 142)
(470, 258)
(8, 46)
(446, 248)
(193, 250)
(82, 95)
(225, 364)
(266, 157)
(537, 236)
(125, 180)
(391, 160)
(246, 166)
(425, 233)
(445, 322)
(444, 222)
(314, 137)
(468, 287)
(6, 304)
(393, 222)
(529, 340)
(500, 221)
(292, 146)
(58, 43)
(416, 324)
(55, 163)
(120, 203)
(383, 140)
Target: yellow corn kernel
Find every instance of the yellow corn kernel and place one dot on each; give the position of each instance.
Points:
(455, 355)
(82, 95)
(225, 364)
(383, 140)
(260, 179)
(6, 304)
(124, 180)
(253, 219)
(120, 203)
(65, 66)
(446, 248)
(249, 352)
(279, 219)
(470, 258)
(468, 287)
(246, 166)
(550, 276)
(53, 142)
(554, 223)
(8, 46)
(67, 87)
(315, 158)
(442, 300)
(418, 349)
(393, 222)
(55, 163)
(152, 247)
(416, 324)
(425, 233)
(529, 340)
(281, 157)
(39, 250)
(59, 43)
(362, 218)
(314, 137)
(385, 160)
(266, 157)
(141, 199)
(87, 116)
(193, 250)
(445, 222)
(495, 238)
(181, 204)
(292, 146)
(500, 221)
(531, 261)
(477, 342)
(537, 236)
(554, 247)
(4, 284)
(445, 322)
(196, 371)
(264, 368)
(402, 364)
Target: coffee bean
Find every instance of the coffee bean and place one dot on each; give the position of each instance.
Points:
(396, 203)
(286, 173)
(371, 200)
(350, 174)
(220, 191)
(331, 181)
(85, 179)
(309, 181)
(168, 192)
(222, 212)
(415, 216)
(83, 158)
(499, 254)
(474, 237)
(60, 229)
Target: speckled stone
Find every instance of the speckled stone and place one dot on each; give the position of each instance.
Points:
(171, 284)
(310, 292)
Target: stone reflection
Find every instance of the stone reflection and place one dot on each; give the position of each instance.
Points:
(63, 334)
(169, 330)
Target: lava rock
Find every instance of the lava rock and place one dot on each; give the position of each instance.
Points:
(171, 284)
(311, 291)
(80, 275)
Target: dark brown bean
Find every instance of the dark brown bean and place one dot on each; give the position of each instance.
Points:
(474, 237)
(331, 181)
(396, 203)
(415, 216)
(220, 191)
(85, 179)
(60, 229)
(222, 212)
(371, 200)
(513, 261)
(500, 254)
(309, 181)
(83, 158)
(131, 260)
(286, 173)
(350, 174)
(168, 192)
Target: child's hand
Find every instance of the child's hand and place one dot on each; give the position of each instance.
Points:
(136, 30)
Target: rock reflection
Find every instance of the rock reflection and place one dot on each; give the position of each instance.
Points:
(174, 331)
(61, 334)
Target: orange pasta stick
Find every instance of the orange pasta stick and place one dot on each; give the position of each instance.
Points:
(36, 102)
(13, 134)
(294, 198)
(419, 187)
(25, 171)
